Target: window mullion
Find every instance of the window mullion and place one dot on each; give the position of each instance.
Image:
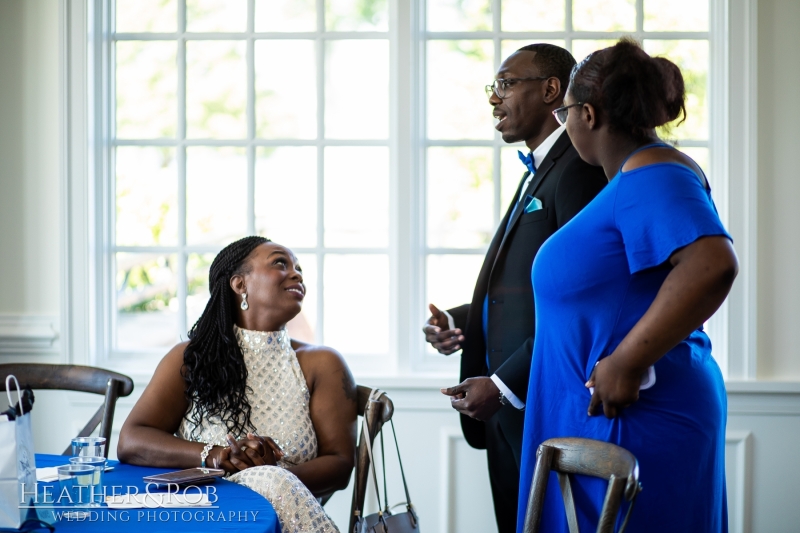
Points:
(320, 53)
(251, 120)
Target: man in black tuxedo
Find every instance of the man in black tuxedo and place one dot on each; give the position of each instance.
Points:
(496, 330)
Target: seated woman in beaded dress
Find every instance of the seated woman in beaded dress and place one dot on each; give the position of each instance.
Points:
(276, 414)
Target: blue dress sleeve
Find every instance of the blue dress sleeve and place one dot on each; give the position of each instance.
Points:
(660, 209)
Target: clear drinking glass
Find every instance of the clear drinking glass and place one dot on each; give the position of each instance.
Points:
(89, 447)
(76, 480)
(99, 465)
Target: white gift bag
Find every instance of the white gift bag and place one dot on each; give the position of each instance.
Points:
(17, 464)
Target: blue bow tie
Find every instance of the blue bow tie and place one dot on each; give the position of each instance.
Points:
(527, 160)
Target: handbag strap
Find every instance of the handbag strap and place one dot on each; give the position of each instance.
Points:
(383, 465)
(19, 393)
(400, 461)
(365, 433)
(375, 395)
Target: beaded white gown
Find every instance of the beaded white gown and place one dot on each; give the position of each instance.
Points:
(280, 409)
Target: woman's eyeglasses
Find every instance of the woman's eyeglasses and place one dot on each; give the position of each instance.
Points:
(562, 113)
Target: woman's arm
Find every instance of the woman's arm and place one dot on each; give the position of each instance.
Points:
(148, 434)
(699, 282)
(333, 412)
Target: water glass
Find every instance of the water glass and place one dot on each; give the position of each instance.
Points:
(89, 447)
(99, 465)
(75, 483)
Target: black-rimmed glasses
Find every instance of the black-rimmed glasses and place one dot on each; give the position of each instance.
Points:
(501, 86)
(562, 113)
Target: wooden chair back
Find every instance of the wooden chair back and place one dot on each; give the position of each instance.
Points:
(590, 458)
(75, 378)
(378, 412)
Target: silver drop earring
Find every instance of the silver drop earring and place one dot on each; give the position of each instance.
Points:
(244, 305)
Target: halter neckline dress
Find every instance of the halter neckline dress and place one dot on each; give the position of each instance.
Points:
(279, 399)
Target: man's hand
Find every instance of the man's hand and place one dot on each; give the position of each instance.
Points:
(478, 398)
(438, 333)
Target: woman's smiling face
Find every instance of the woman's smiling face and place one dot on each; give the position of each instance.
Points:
(273, 281)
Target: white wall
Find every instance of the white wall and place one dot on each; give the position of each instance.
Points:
(448, 479)
(29, 157)
(778, 190)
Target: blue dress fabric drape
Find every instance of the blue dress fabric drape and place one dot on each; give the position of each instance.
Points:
(593, 280)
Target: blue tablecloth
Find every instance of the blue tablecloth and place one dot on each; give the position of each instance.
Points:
(237, 508)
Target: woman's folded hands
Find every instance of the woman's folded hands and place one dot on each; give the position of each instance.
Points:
(241, 454)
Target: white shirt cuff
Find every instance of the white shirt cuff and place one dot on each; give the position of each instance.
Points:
(451, 324)
(510, 396)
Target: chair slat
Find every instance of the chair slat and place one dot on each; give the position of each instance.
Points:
(569, 502)
(541, 475)
(611, 505)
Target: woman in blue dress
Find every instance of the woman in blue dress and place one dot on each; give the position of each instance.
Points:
(622, 292)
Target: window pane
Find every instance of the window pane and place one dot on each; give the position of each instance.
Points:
(459, 15)
(357, 197)
(286, 96)
(146, 299)
(197, 295)
(285, 15)
(216, 15)
(451, 278)
(357, 91)
(135, 16)
(147, 196)
(511, 171)
(450, 281)
(526, 15)
(303, 327)
(357, 292)
(457, 105)
(583, 47)
(508, 46)
(357, 15)
(700, 156)
(286, 195)
(604, 15)
(675, 15)
(692, 58)
(460, 197)
(216, 195)
(146, 89)
(216, 81)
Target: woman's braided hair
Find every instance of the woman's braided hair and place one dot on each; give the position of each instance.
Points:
(213, 365)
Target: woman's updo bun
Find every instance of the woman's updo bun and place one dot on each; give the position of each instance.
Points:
(631, 90)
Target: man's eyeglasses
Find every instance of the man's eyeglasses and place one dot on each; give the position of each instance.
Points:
(562, 113)
(501, 86)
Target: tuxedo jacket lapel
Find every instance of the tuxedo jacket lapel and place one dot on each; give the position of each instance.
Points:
(558, 149)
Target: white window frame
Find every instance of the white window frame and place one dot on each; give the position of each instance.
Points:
(84, 141)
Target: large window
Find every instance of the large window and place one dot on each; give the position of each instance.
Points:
(286, 118)
(264, 117)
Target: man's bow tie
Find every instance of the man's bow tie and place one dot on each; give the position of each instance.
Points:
(527, 160)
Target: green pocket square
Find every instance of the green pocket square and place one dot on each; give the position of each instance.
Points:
(532, 204)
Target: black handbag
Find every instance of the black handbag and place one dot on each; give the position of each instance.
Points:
(384, 521)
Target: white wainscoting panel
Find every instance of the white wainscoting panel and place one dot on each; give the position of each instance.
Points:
(28, 335)
(738, 464)
(464, 485)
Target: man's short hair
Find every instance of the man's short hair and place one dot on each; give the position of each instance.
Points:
(552, 60)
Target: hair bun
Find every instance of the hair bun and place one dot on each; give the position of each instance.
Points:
(634, 92)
